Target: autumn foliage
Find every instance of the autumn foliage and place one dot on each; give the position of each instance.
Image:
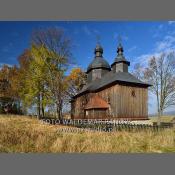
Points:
(40, 81)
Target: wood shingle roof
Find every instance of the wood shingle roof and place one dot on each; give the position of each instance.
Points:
(112, 78)
(97, 102)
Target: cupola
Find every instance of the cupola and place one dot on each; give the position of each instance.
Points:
(99, 66)
(120, 64)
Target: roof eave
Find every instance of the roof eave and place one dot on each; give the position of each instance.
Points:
(122, 61)
(144, 85)
(98, 68)
(96, 108)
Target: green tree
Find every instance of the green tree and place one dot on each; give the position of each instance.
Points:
(36, 84)
(54, 49)
(24, 61)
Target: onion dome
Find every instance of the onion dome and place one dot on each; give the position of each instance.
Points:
(120, 57)
(98, 61)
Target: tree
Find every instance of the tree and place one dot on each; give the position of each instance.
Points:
(54, 50)
(161, 74)
(75, 81)
(39, 79)
(73, 84)
(24, 61)
(31, 80)
(9, 87)
(5, 80)
(138, 71)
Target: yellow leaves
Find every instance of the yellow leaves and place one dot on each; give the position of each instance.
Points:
(75, 80)
(75, 73)
(39, 54)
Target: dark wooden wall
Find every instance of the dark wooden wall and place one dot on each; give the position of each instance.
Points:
(125, 102)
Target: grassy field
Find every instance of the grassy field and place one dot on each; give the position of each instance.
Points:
(24, 135)
(163, 118)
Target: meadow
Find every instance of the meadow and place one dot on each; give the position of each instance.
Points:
(21, 134)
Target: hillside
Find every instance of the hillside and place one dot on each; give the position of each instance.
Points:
(23, 135)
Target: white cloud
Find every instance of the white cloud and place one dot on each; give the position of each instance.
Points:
(143, 59)
(89, 31)
(158, 30)
(171, 22)
(166, 45)
(2, 64)
(86, 30)
(132, 48)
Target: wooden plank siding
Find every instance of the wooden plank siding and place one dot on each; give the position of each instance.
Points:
(125, 102)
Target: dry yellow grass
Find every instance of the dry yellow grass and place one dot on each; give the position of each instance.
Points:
(23, 134)
(163, 118)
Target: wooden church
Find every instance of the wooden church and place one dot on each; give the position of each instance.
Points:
(111, 92)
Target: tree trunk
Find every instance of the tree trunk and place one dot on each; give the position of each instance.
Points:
(158, 108)
(38, 107)
(59, 111)
(160, 113)
(42, 105)
(42, 111)
(159, 118)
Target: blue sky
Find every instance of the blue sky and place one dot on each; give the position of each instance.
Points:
(140, 40)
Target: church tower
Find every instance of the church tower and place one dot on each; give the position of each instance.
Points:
(120, 63)
(99, 66)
